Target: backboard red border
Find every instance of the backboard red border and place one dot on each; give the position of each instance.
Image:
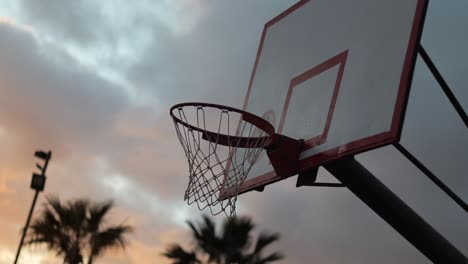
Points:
(358, 146)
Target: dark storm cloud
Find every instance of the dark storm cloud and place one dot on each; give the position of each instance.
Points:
(63, 102)
(51, 103)
(77, 20)
(213, 61)
(106, 35)
(142, 134)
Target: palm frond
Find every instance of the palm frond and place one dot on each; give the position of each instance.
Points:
(77, 215)
(108, 238)
(97, 213)
(46, 229)
(195, 233)
(270, 258)
(57, 208)
(265, 239)
(180, 256)
(206, 238)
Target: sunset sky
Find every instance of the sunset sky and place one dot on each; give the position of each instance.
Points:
(93, 81)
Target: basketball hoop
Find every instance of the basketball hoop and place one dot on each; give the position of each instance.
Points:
(222, 144)
(211, 136)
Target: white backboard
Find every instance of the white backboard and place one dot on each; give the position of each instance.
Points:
(337, 74)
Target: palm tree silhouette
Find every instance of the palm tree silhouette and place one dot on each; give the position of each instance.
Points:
(233, 245)
(76, 228)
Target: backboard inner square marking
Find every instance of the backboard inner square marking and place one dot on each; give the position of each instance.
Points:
(322, 80)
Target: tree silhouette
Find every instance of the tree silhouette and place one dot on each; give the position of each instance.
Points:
(76, 228)
(233, 245)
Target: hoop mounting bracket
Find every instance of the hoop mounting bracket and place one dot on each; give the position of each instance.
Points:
(309, 178)
(283, 153)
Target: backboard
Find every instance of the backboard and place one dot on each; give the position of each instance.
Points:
(335, 73)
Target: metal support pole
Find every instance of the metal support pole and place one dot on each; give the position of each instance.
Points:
(394, 211)
(26, 227)
(25, 230)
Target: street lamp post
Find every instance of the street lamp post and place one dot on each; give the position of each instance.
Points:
(37, 183)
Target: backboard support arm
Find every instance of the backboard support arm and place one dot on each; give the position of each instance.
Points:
(457, 199)
(443, 84)
(394, 211)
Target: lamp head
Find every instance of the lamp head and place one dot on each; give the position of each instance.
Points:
(42, 154)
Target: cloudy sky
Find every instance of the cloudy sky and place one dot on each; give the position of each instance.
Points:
(93, 81)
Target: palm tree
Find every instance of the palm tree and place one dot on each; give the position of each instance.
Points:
(233, 245)
(76, 228)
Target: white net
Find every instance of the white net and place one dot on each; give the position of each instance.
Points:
(221, 148)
